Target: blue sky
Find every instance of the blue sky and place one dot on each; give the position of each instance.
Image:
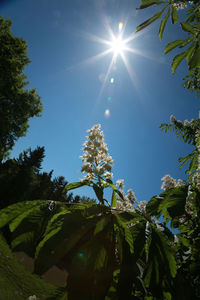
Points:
(58, 34)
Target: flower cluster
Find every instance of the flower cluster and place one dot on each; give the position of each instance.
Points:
(141, 206)
(125, 203)
(32, 297)
(186, 122)
(97, 161)
(180, 5)
(170, 183)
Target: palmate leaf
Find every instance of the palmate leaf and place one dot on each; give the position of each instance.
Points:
(34, 210)
(64, 231)
(150, 20)
(161, 264)
(127, 233)
(91, 271)
(131, 270)
(184, 160)
(147, 3)
(28, 227)
(16, 210)
(170, 204)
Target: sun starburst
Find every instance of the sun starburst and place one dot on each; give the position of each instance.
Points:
(117, 45)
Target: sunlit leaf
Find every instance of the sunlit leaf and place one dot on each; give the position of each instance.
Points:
(114, 200)
(177, 60)
(75, 185)
(173, 45)
(187, 27)
(151, 20)
(174, 15)
(147, 3)
(162, 24)
(11, 212)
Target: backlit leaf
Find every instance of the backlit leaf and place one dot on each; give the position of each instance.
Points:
(162, 24)
(151, 20)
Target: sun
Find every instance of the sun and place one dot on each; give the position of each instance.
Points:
(117, 45)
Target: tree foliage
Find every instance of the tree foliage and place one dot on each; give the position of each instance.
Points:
(191, 26)
(17, 103)
(28, 182)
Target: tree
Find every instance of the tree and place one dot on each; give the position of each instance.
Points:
(17, 104)
(120, 249)
(191, 26)
(21, 179)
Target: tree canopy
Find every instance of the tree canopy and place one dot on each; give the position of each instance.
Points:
(17, 103)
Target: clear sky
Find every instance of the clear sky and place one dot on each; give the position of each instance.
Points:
(61, 43)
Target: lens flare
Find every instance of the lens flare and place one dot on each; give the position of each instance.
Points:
(120, 26)
(109, 99)
(112, 80)
(107, 113)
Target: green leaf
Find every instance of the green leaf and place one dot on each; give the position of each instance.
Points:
(195, 60)
(75, 185)
(16, 222)
(177, 60)
(162, 24)
(11, 212)
(185, 42)
(187, 27)
(127, 233)
(147, 3)
(151, 20)
(153, 205)
(175, 44)
(99, 192)
(174, 15)
(173, 203)
(100, 225)
(115, 189)
(114, 200)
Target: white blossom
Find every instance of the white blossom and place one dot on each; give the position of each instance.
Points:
(172, 118)
(142, 206)
(120, 183)
(180, 5)
(186, 123)
(131, 196)
(97, 161)
(180, 182)
(32, 297)
(124, 206)
(168, 182)
(159, 226)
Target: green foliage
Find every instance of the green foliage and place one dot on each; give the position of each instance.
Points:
(170, 204)
(190, 26)
(17, 104)
(90, 241)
